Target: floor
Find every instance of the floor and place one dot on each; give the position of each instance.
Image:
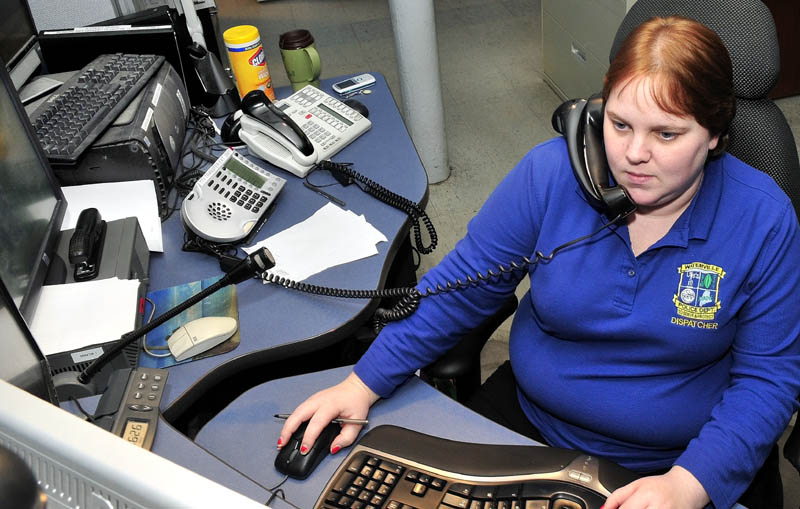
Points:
(496, 105)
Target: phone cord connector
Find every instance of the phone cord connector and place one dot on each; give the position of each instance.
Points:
(345, 174)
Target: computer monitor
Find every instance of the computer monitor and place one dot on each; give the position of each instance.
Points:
(22, 363)
(18, 47)
(32, 203)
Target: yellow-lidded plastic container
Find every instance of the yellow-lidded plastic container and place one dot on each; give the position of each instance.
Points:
(247, 60)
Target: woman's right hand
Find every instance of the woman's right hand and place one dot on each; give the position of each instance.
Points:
(349, 399)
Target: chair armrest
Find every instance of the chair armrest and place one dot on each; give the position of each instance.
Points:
(465, 355)
(791, 449)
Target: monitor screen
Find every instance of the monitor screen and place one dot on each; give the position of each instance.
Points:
(32, 204)
(22, 363)
(18, 40)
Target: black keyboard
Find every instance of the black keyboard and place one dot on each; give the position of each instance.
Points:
(396, 468)
(76, 114)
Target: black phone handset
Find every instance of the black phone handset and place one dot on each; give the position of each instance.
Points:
(256, 104)
(581, 123)
(86, 244)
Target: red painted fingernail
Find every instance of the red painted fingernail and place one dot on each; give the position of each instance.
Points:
(335, 449)
(280, 442)
(303, 449)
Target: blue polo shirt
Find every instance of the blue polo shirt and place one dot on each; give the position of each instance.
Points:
(687, 354)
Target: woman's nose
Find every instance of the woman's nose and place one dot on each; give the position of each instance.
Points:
(638, 150)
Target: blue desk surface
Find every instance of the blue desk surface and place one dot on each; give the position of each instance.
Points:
(272, 317)
(244, 434)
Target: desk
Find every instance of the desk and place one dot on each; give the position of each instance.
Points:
(245, 433)
(276, 323)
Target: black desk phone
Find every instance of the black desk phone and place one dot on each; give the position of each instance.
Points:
(129, 408)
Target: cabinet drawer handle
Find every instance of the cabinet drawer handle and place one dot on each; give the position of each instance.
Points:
(577, 52)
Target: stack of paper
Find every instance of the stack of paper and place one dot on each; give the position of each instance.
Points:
(330, 237)
(75, 315)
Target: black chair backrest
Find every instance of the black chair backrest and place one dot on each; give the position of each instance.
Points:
(759, 134)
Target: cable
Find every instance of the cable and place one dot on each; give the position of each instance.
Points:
(198, 147)
(346, 175)
(410, 296)
(278, 486)
(277, 492)
(91, 418)
(144, 338)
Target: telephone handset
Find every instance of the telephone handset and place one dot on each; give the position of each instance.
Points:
(257, 106)
(581, 123)
(86, 244)
(298, 132)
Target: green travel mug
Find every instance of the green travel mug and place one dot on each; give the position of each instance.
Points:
(300, 58)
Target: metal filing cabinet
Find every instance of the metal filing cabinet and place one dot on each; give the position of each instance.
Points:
(576, 40)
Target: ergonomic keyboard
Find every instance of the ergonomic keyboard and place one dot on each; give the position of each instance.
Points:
(78, 112)
(396, 468)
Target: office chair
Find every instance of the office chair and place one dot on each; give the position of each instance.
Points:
(458, 372)
(759, 133)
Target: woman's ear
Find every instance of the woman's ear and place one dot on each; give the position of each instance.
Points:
(722, 145)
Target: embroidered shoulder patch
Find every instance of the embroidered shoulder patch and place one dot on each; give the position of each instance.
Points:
(698, 290)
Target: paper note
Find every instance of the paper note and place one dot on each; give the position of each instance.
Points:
(330, 237)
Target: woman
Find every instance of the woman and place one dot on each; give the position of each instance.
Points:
(667, 342)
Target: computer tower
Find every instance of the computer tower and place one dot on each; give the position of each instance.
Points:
(143, 143)
(150, 30)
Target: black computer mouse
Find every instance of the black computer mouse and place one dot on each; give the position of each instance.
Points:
(298, 466)
(231, 127)
(358, 106)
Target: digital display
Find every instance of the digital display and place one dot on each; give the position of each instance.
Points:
(135, 431)
(332, 112)
(241, 170)
(346, 83)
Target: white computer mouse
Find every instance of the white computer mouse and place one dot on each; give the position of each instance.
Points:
(199, 335)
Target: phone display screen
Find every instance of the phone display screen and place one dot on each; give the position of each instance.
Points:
(334, 114)
(345, 84)
(135, 432)
(240, 170)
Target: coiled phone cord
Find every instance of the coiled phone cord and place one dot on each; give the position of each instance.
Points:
(410, 296)
(343, 173)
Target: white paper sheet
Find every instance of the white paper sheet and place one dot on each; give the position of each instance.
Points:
(75, 315)
(117, 200)
(330, 237)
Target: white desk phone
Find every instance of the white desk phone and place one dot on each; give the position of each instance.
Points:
(297, 132)
(230, 199)
(233, 196)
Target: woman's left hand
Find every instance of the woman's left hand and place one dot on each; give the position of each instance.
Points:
(677, 489)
